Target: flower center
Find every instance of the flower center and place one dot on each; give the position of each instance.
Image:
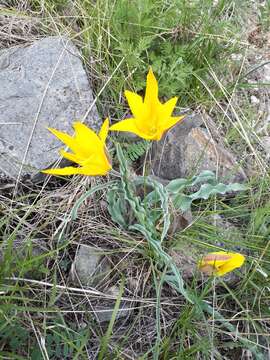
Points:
(152, 130)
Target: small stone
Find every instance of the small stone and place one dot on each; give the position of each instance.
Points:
(22, 247)
(185, 262)
(104, 313)
(42, 85)
(83, 325)
(187, 149)
(89, 267)
(254, 100)
(236, 57)
(220, 222)
(114, 290)
(266, 73)
(179, 221)
(265, 141)
(226, 230)
(246, 354)
(133, 283)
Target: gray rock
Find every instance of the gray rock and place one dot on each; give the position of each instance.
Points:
(228, 235)
(187, 149)
(185, 260)
(265, 141)
(89, 267)
(254, 100)
(104, 314)
(267, 72)
(42, 85)
(21, 247)
(179, 221)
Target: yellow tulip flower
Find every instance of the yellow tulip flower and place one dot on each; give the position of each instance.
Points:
(88, 150)
(151, 118)
(220, 263)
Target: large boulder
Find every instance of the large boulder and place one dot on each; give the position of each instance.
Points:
(42, 85)
(187, 149)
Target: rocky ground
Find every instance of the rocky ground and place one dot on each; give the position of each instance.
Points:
(81, 266)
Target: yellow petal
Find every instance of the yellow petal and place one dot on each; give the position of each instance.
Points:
(207, 269)
(90, 170)
(103, 133)
(236, 261)
(66, 139)
(165, 110)
(94, 170)
(170, 122)
(129, 125)
(220, 263)
(151, 92)
(69, 156)
(217, 258)
(69, 170)
(135, 103)
(87, 139)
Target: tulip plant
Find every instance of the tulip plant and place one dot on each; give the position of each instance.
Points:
(151, 119)
(151, 215)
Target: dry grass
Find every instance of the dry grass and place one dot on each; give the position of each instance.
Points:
(46, 316)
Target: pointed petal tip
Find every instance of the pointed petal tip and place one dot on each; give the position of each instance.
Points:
(46, 171)
(151, 91)
(124, 125)
(103, 132)
(129, 94)
(106, 122)
(57, 133)
(151, 73)
(49, 171)
(80, 126)
(51, 129)
(76, 124)
(69, 170)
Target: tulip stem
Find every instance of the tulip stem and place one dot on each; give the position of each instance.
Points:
(146, 156)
